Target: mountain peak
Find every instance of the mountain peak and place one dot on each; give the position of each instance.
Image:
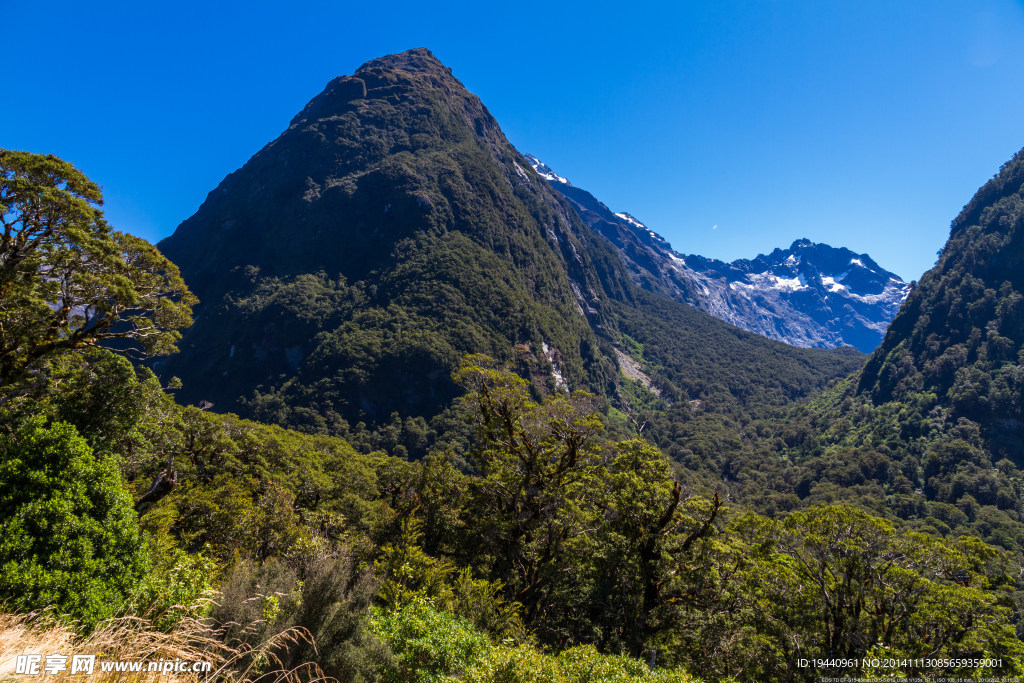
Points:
(398, 182)
(417, 58)
(417, 61)
(414, 77)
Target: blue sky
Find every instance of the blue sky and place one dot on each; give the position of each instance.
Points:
(861, 124)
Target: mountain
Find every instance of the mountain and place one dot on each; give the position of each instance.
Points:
(388, 231)
(809, 295)
(391, 229)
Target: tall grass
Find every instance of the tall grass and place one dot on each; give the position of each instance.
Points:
(136, 639)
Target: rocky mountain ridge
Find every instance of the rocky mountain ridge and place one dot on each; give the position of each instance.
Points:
(809, 295)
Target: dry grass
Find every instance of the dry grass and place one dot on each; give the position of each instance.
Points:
(135, 639)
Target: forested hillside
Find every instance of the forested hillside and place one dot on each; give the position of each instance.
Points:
(941, 399)
(956, 346)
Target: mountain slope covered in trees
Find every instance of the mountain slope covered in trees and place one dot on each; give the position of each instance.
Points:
(957, 345)
(942, 399)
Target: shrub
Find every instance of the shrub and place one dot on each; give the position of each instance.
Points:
(69, 537)
(327, 597)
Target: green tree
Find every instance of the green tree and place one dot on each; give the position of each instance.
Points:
(650, 545)
(594, 539)
(67, 280)
(536, 498)
(68, 534)
(835, 582)
(433, 646)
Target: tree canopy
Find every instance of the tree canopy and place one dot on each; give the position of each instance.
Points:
(67, 279)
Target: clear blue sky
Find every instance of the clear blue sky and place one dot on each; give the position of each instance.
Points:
(863, 124)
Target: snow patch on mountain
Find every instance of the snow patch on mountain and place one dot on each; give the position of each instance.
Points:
(831, 284)
(632, 221)
(789, 285)
(544, 171)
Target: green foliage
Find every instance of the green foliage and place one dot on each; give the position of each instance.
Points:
(536, 493)
(68, 534)
(407, 571)
(67, 280)
(580, 664)
(647, 551)
(578, 531)
(436, 647)
(407, 574)
(253, 491)
(180, 585)
(108, 400)
(429, 645)
(834, 582)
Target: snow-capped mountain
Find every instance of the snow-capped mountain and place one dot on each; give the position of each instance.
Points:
(810, 295)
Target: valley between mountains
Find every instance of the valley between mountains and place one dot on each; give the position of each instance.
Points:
(400, 385)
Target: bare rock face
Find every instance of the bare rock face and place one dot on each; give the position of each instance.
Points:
(809, 295)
